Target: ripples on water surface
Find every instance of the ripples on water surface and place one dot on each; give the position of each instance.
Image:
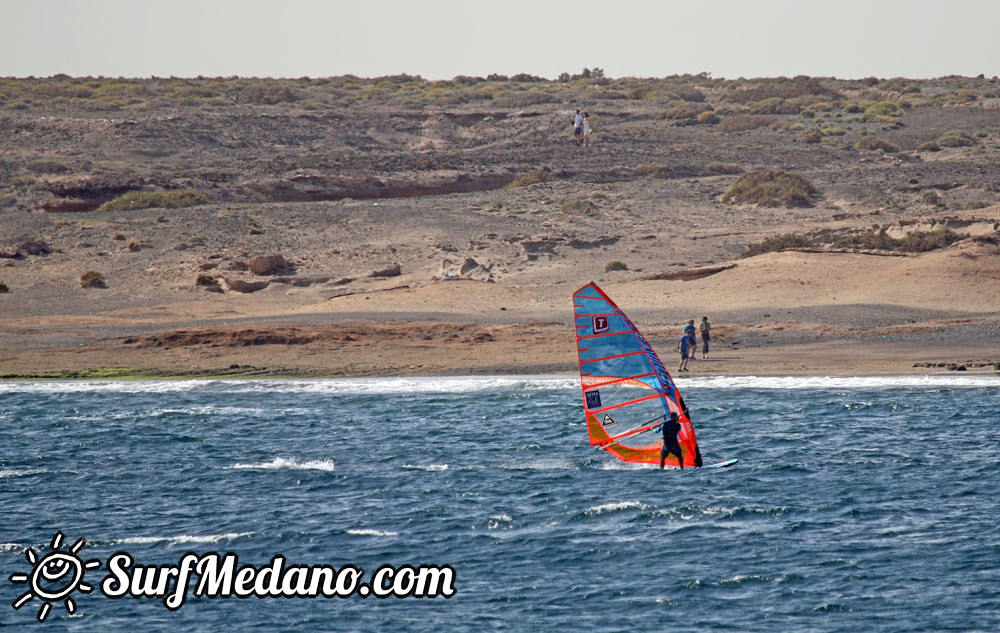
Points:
(859, 504)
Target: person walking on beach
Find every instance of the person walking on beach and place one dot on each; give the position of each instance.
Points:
(586, 129)
(705, 336)
(578, 127)
(670, 444)
(689, 333)
(683, 347)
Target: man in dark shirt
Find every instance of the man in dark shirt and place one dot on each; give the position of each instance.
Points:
(670, 430)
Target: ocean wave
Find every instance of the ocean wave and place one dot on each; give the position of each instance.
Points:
(21, 473)
(181, 539)
(500, 522)
(427, 467)
(372, 533)
(281, 462)
(841, 382)
(615, 507)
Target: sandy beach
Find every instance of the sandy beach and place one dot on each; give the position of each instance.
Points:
(424, 240)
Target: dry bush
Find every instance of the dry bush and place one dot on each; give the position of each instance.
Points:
(929, 146)
(876, 144)
(771, 189)
(532, 178)
(615, 265)
(134, 200)
(743, 123)
(778, 243)
(708, 117)
(92, 279)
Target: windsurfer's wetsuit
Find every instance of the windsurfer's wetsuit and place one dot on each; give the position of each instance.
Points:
(670, 430)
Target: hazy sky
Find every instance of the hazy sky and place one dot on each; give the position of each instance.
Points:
(439, 39)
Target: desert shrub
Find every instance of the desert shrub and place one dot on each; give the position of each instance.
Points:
(682, 111)
(771, 189)
(44, 166)
(708, 117)
(875, 144)
(134, 200)
(923, 241)
(206, 280)
(92, 279)
(963, 96)
(778, 243)
(615, 265)
(724, 168)
(851, 108)
(930, 197)
(811, 136)
(255, 231)
(774, 105)
(6, 200)
(956, 138)
(654, 170)
(742, 123)
(869, 240)
(118, 236)
(781, 88)
(3, 287)
(532, 178)
(882, 112)
(688, 93)
(576, 205)
(929, 146)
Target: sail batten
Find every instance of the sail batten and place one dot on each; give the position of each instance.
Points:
(618, 370)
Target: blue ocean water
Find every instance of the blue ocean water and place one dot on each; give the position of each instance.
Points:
(858, 504)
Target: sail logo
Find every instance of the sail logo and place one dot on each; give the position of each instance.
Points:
(601, 324)
(593, 399)
(59, 573)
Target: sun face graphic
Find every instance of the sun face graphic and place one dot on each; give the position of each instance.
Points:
(54, 577)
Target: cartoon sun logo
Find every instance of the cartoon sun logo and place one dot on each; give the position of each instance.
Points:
(54, 576)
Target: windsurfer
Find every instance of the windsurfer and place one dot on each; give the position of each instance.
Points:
(670, 430)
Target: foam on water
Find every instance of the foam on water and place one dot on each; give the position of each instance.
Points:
(372, 533)
(181, 539)
(283, 463)
(473, 384)
(21, 473)
(427, 467)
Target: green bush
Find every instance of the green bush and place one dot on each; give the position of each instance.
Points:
(92, 279)
(771, 189)
(875, 144)
(135, 200)
(708, 117)
(882, 112)
(956, 138)
(811, 136)
(923, 241)
(869, 240)
(778, 243)
(615, 265)
(929, 146)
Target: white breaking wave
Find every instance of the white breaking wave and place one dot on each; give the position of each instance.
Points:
(427, 467)
(472, 384)
(21, 473)
(371, 533)
(614, 507)
(180, 539)
(842, 382)
(281, 462)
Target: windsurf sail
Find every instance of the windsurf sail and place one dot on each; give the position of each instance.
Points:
(627, 392)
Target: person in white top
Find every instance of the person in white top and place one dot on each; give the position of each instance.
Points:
(586, 129)
(578, 127)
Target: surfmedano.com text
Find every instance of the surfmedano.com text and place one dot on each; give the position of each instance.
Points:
(212, 575)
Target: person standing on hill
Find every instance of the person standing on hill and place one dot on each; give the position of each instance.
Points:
(705, 336)
(586, 129)
(578, 127)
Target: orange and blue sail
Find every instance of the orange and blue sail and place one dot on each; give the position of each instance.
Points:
(627, 392)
